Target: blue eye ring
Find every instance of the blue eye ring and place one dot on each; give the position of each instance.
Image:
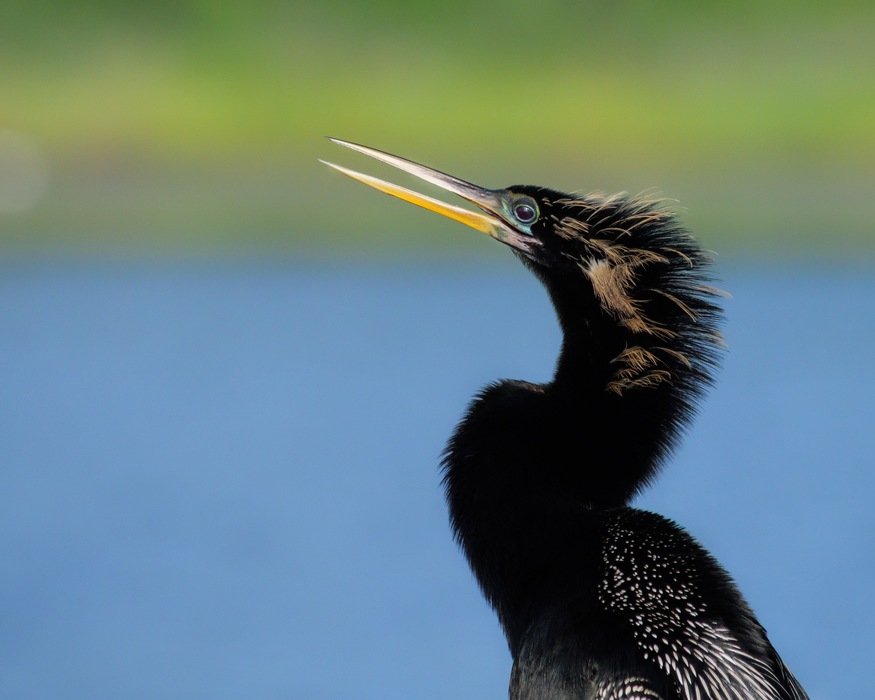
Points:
(525, 211)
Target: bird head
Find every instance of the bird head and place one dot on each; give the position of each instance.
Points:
(619, 269)
(629, 284)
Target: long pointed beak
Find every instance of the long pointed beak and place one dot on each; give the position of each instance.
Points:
(490, 202)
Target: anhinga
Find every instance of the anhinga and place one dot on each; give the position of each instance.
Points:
(597, 600)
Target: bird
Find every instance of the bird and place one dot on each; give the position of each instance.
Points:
(598, 600)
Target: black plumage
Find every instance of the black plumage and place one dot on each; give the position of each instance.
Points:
(597, 599)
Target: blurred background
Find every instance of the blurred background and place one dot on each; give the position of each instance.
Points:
(227, 373)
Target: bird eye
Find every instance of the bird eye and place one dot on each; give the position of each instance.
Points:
(525, 212)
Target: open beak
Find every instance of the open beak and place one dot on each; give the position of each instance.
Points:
(491, 202)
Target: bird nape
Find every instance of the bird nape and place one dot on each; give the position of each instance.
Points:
(597, 600)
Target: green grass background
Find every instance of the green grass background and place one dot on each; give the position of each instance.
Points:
(198, 124)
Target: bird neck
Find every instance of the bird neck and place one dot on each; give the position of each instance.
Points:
(618, 419)
(590, 340)
(604, 447)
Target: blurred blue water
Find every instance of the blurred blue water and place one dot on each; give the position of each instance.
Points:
(218, 479)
